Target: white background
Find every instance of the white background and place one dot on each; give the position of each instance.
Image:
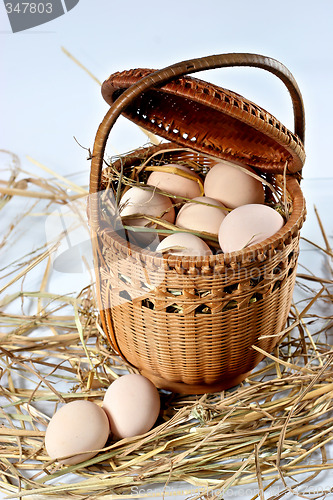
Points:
(47, 100)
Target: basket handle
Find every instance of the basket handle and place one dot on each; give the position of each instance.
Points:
(164, 75)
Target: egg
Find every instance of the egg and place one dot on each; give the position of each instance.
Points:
(248, 225)
(137, 200)
(184, 244)
(199, 217)
(176, 184)
(232, 186)
(132, 404)
(79, 428)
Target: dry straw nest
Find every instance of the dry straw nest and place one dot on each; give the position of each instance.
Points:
(273, 429)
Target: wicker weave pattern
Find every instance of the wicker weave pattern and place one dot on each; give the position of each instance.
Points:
(173, 111)
(209, 339)
(187, 323)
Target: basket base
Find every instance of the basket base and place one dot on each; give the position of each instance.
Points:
(182, 388)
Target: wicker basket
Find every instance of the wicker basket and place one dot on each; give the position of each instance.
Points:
(188, 323)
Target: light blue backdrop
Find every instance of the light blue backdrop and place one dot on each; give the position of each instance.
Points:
(47, 99)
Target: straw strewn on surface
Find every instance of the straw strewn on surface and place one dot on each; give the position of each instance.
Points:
(274, 427)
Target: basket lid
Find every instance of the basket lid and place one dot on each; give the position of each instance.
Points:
(210, 119)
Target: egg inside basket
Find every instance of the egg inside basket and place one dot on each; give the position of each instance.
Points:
(195, 324)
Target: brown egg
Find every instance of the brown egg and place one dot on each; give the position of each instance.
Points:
(176, 184)
(132, 404)
(233, 187)
(139, 200)
(199, 217)
(78, 428)
(184, 244)
(247, 225)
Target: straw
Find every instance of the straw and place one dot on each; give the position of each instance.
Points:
(269, 428)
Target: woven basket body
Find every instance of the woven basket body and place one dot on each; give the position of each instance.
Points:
(189, 324)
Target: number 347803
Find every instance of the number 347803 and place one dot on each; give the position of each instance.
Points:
(29, 8)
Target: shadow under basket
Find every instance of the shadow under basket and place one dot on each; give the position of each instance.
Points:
(189, 324)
